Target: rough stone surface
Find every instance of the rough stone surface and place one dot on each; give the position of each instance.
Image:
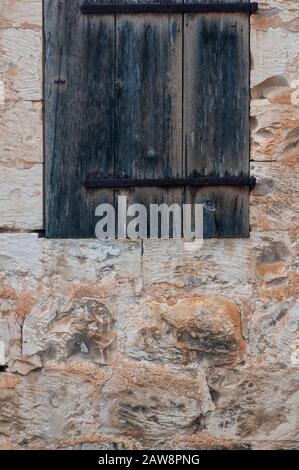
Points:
(263, 405)
(129, 345)
(203, 329)
(21, 181)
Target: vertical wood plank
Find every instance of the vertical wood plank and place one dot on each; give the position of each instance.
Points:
(148, 107)
(216, 116)
(79, 129)
(148, 138)
(146, 97)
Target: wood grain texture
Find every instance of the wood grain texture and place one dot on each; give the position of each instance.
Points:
(219, 1)
(148, 103)
(148, 124)
(146, 96)
(216, 116)
(79, 115)
(216, 94)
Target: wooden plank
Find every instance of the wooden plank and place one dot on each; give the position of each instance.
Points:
(148, 112)
(216, 115)
(79, 129)
(225, 210)
(170, 182)
(148, 139)
(167, 7)
(120, 90)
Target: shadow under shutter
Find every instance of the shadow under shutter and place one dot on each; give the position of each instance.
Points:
(147, 96)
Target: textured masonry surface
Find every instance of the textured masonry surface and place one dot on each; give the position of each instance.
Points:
(123, 345)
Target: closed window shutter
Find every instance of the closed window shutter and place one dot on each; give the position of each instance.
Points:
(147, 96)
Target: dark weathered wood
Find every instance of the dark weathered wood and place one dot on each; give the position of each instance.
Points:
(93, 182)
(216, 95)
(216, 115)
(167, 7)
(144, 97)
(79, 102)
(226, 211)
(148, 103)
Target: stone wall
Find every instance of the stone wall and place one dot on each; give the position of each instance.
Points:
(147, 345)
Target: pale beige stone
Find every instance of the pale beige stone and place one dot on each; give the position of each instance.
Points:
(21, 135)
(201, 330)
(277, 55)
(64, 405)
(24, 14)
(275, 41)
(20, 254)
(22, 54)
(152, 403)
(2, 353)
(8, 404)
(274, 201)
(10, 337)
(81, 329)
(25, 364)
(224, 263)
(273, 335)
(275, 128)
(258, 404)
(21, 198)
(119, 345)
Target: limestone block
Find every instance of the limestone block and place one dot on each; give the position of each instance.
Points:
(273, 335)
(218, 264)
(21, 198)
(258, 404)
(25, 14)
(21, 135)
(274, 200)
(82, 329)
(20, 256)
(25, 364)
(63, 405)
(10, 338)
(275, 128)
(205, 330)
(152, 403)
(275, 41)
(92, 260)
(8, 405)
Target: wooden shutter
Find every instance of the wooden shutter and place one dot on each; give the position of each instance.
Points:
(145, 96)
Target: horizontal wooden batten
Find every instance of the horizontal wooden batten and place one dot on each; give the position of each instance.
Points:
(103, 9)
(170, 182)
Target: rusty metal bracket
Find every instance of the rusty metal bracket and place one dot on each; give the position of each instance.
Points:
(225, 7)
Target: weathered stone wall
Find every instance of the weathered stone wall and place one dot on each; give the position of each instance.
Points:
(124, 345)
